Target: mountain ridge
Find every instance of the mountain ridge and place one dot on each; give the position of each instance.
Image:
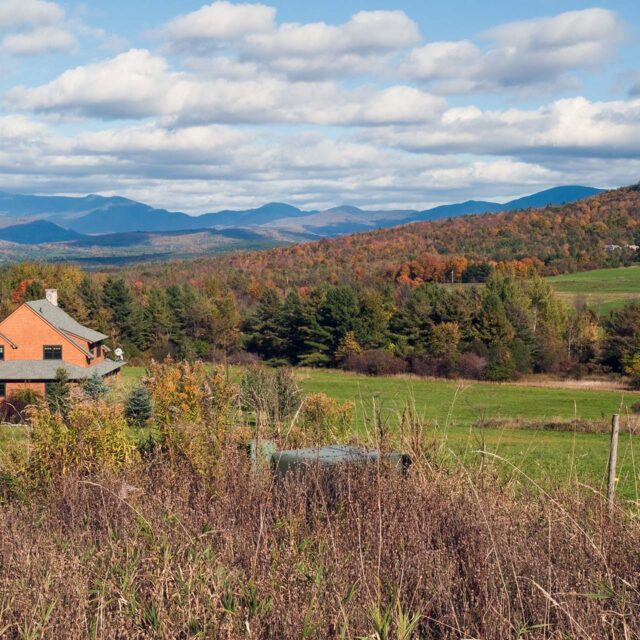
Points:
(94, 214)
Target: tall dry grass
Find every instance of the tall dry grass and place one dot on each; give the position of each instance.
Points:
(184, 539)
(160, 552)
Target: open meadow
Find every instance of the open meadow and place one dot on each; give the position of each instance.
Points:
(601, 289)
(463, 417)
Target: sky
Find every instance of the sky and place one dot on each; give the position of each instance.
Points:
(200, 107)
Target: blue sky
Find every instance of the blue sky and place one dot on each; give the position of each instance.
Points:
(199, 106)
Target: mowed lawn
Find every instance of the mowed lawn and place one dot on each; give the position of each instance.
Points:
(453, 410)
(602, 289)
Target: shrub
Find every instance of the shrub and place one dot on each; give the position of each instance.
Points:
(58, 392)
(89, 437)
(194, 412)
(13, 409)
(431, 366)
(324, 419)
(376, 362)
(632, 369)
(95, 387)
(471, 365)
(273, 395)
(501, 366)
(138, 408)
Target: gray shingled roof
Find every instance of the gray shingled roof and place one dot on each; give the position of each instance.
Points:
(64, 322)
(25, 370)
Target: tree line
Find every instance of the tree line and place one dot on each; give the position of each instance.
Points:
(508, 326)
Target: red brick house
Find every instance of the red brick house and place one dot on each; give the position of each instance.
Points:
(39, 338)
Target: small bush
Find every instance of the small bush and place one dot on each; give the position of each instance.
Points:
(95, 387)
(13, 409)
(90, 437)
(272, 395)
(58, 392)
(471, 366)
(194, 412)
(431, 366)
(376, 362)
(324, 419)
(138, 407)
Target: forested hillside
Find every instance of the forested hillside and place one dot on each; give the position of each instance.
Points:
(553, 240)
(509, 326)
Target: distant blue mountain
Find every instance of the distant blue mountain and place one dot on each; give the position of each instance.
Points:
(37, 232)
(555, 196)
(93, 215)
(262, 215)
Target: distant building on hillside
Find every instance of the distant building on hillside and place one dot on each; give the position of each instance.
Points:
(617, 247)
(39, 338)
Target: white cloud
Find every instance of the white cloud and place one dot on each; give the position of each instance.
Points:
(253, 110)
(27, 13)
(31, 27)
(522, 54)
(359, 46)
(308, 50)
(220, 22)
(130, 85)
(570, 127)
(38, 41)
(139, 84)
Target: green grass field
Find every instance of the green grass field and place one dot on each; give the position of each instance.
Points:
(453, 411)
(602, 289)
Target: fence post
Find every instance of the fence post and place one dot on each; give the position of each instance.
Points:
(613, 459)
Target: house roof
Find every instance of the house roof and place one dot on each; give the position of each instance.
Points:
(45, 370)
(62, 321)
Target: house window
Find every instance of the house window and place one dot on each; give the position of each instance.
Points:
(3, 389)
(53, 352)
(1, 352)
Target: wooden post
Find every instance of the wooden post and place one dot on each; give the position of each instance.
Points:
(613, 459)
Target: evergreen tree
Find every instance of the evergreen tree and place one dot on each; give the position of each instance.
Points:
(34, 291)
(138, 407)
(411, 325)
(375, 314)
(58, 392)
(493, 326)
(622, 341)
(339, 313)
(95, 387)
(117, 297)
(265, 332)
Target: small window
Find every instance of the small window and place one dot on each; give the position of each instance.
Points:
(3, 389)
(1, 352)
(53, 352)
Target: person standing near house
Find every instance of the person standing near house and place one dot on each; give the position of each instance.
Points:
(119, 353)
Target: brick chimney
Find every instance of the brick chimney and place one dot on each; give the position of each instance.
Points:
(52, 296)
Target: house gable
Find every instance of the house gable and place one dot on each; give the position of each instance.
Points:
(30, 332)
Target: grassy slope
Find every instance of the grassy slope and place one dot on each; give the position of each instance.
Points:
(604, 289)
(545, 455)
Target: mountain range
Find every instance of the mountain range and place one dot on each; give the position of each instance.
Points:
(31, 219)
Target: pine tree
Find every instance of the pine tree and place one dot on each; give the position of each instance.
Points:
(95, 387)
(117, 297)
(58, 392)
(138, 408)
(264, 327)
